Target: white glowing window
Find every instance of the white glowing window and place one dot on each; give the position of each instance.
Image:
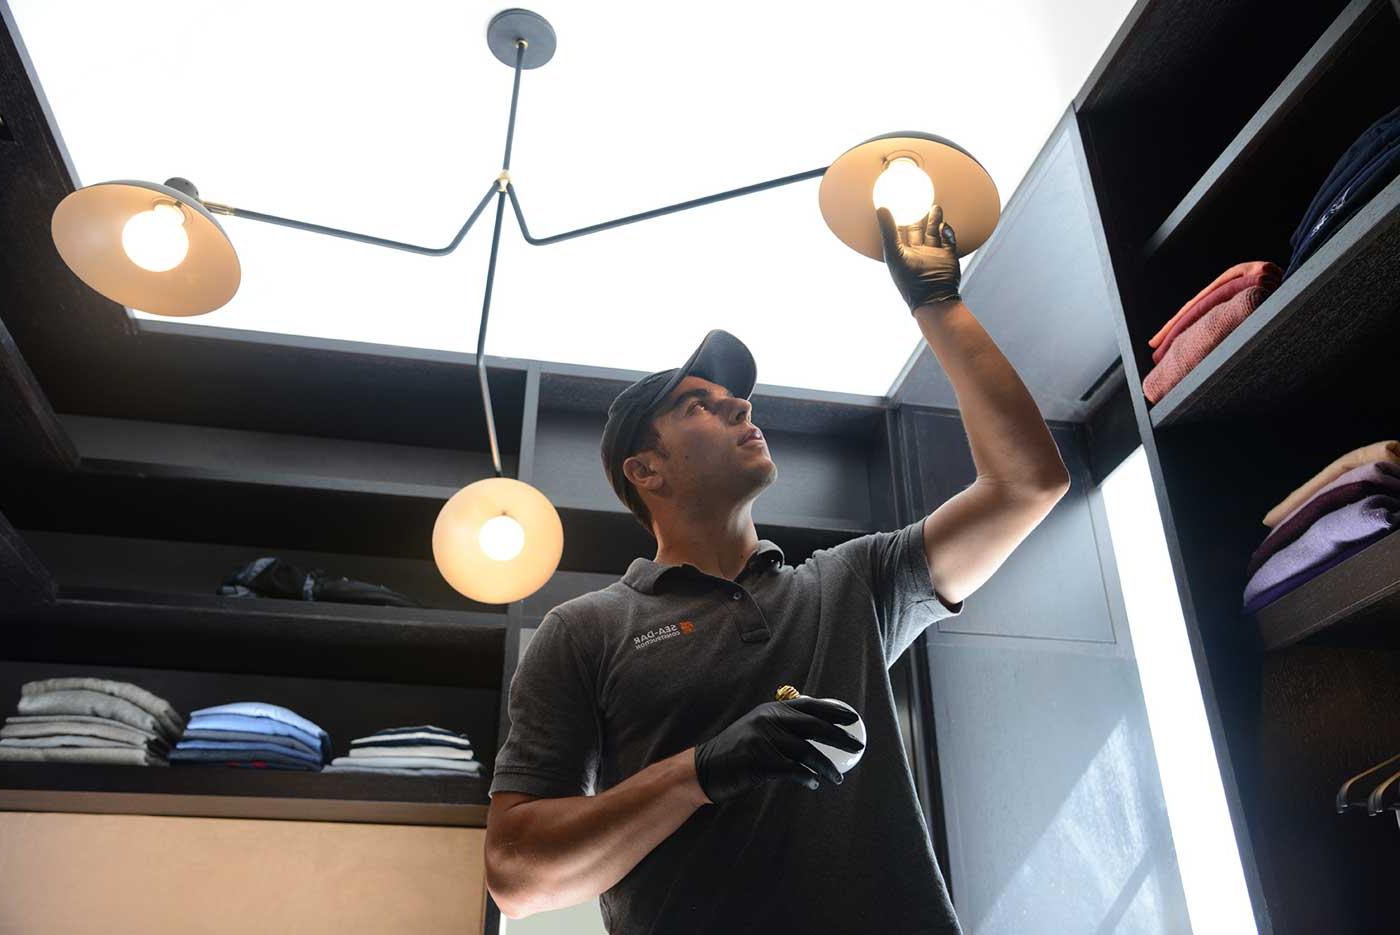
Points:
(1207, 855)
(391, 121)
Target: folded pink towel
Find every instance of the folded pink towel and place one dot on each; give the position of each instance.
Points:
(1268, 280)
(1251, 268)
(1198, 340)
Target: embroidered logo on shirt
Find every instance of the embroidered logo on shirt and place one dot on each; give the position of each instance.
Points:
(663, 633)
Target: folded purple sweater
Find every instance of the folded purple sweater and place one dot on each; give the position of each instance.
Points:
(1335, 535)
(1375, 477)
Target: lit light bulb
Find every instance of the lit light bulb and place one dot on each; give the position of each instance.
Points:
(502, 538)
(155, 240)
(905, 189)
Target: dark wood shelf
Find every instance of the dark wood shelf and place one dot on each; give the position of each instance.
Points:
(1275, 113)
(229, 792)
(1341, 297)
(261, 635)
(1355, 602)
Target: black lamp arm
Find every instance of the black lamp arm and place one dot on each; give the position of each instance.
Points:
(655, 213)
(216, 208)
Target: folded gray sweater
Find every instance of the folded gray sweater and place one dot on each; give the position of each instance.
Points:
(96, 704)
(126, 691)
(130, 756)
(86, 727)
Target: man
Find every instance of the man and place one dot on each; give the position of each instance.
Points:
(658, 689)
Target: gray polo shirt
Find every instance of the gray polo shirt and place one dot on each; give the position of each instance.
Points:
(667, 657)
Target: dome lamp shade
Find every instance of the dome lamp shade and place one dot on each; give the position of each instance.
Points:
(147, 246)
(498, 540)
(971, 205)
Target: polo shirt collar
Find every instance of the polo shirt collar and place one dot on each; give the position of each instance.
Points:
(644, 574)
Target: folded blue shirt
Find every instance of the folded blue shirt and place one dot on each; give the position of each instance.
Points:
(259, 739)
(317, 740)
(263, 709)
(243, 749)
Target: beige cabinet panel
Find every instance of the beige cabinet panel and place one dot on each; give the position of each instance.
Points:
(73, 874)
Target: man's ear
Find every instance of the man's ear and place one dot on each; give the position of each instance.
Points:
(640, 472)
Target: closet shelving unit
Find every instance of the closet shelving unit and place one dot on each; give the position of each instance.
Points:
(351, 669)
(164, 512)
(1206, 129)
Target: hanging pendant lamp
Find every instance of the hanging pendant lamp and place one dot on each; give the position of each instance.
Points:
(159, 249)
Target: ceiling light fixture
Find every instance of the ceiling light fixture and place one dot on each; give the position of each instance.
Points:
(158, 248)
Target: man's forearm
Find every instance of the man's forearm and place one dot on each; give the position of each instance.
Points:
(557, 852)
(1010, 442)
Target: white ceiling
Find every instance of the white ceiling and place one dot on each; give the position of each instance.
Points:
(390, 119)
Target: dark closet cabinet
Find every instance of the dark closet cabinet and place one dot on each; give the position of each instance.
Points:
(1206, 129)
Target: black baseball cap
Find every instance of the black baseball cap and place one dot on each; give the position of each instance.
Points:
(721, 358)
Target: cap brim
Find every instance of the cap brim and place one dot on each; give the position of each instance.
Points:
(721, 358)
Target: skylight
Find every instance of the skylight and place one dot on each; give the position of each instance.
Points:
(390, 120)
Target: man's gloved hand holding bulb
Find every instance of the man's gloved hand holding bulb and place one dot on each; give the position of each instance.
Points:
(842, 758)
(775, 740)
(922, 257)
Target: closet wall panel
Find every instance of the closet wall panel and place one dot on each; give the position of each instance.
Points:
(155, 875)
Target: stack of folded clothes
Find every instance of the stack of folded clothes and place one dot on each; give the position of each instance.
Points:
(1368, 166)
(410, 751)
(1204, 321)
(252, 734)
(1345, 507)
(89, 720)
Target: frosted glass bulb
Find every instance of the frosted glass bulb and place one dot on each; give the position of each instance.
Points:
(155, 240)
(502, 538)
(843, 760)
(905, 189)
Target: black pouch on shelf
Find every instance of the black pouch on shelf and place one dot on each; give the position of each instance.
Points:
(272, 577)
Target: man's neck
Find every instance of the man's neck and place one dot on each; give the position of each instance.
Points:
(719, 549)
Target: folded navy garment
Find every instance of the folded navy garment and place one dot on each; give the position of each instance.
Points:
(1370, 164)
(272, 756)
(1372, 140)
(244, 750)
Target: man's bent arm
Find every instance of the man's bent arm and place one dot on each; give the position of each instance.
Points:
(1020, 475)
(548, 853)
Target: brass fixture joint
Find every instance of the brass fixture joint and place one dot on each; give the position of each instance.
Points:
(522, 43)
(216, 208)
(502, 181)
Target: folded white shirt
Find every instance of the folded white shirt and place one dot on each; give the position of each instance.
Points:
(410, 762)
(433, 750)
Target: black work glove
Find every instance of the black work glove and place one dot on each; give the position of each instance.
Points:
(922, 257)
(770, 743)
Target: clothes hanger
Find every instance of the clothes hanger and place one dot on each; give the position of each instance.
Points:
(1386, 795)
(1355, 792)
